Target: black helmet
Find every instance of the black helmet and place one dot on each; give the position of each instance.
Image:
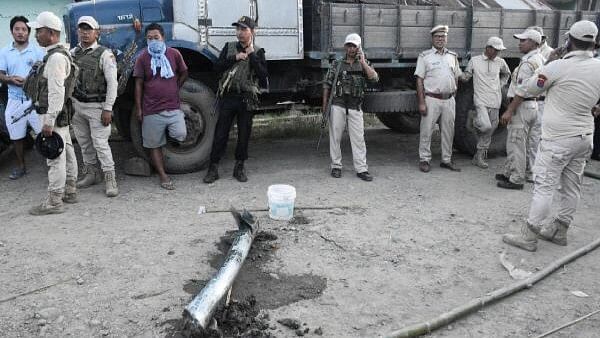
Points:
(50, 147)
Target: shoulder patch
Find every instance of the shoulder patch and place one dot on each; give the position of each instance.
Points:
(541, 80)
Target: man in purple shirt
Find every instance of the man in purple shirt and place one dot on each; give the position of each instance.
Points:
(159, 74)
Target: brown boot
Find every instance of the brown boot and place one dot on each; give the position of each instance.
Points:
(110, 180)
(555, 232)
(527, 240)
(479, 159)
(91, 176)
(70, 192)
(52, 205)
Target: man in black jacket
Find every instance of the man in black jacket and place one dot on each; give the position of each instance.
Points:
(243, 71)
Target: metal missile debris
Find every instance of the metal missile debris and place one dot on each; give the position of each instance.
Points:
(200, 311)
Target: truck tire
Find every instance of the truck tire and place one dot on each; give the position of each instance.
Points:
(464, 139)
(197, 102)
(407, 123)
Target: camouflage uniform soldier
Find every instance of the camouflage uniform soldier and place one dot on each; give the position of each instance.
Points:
(93, 100)
(348, 93)
(522, 113)
(49, 87)
(437, 74)
(573, 88)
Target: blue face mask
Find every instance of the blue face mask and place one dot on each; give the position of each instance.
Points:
(156, 46)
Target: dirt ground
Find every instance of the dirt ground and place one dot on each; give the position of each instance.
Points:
(379, 256)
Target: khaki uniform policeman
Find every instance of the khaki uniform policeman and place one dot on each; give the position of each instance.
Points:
(348, 93)
(93, 100)
(437, 74)
(522, 113)
(572, 85)
(490, 73)
(536, 131)
(50, 98)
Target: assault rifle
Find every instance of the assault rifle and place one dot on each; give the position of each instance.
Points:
(327, 112)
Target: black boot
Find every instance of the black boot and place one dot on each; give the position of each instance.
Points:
(212, 174)
(238, 171)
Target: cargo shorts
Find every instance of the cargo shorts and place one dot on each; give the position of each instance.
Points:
(155, 126)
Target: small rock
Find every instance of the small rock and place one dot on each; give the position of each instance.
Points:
(166, 309)
(94, 322)
(1, 244)
(274, 275)
(299, 333)
(318, 331)
(104, 333)
(171, 252)
(50, 313)
(42, 322)
(36, 316)
(450, 327)
(80, 281)
(289, 322)
(137, 166)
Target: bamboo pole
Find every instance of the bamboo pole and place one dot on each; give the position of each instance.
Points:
(478, 303)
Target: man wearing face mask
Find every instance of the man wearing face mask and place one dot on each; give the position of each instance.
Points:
(348, 92)
(522, 112)
(159, 72)
(93, 99)
(243, 70)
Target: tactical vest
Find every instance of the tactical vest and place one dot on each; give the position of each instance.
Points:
(36, 86)
(239, 79)
(91, 83)
(350, 83)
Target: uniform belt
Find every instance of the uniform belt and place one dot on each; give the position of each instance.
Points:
(440, 96)
(530, 99)
(89, 99)
(541, 98)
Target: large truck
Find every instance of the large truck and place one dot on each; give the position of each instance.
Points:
(301, 38)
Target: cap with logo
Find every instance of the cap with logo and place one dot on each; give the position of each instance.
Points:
(50, 147)
(530, 34)
(353, 39)
(88, 20)
(46, 20)
(496, 43)
(246, 22)
(584, 30)
(440, 28)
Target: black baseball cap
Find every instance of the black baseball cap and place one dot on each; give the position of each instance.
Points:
(245, 21)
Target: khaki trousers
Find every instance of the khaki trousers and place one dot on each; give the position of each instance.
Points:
(519, 129)
(92, 135)
(444, 110)
(559, 166)
(356, 130)
(534, 136)
(64, 167)
(484, 138)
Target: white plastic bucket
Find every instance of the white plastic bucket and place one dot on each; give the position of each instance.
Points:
(281, 201)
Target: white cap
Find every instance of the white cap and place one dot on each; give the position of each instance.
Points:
(496, 43)
(90, 21)
(584, 30)
(353, 39)
(48, 20)
(530, 34)
(439, 28)
(537, 29)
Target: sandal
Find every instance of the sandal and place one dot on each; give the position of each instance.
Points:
(167, 185)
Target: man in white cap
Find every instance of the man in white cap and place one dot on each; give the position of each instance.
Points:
(572, 85)
(490, 73)
(536, 131)
(348, 92)
(437, 75)
(522, 112)
(49, 88)
(93, 100)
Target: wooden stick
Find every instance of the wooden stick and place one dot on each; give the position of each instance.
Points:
(478, 303)
(567, 324)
